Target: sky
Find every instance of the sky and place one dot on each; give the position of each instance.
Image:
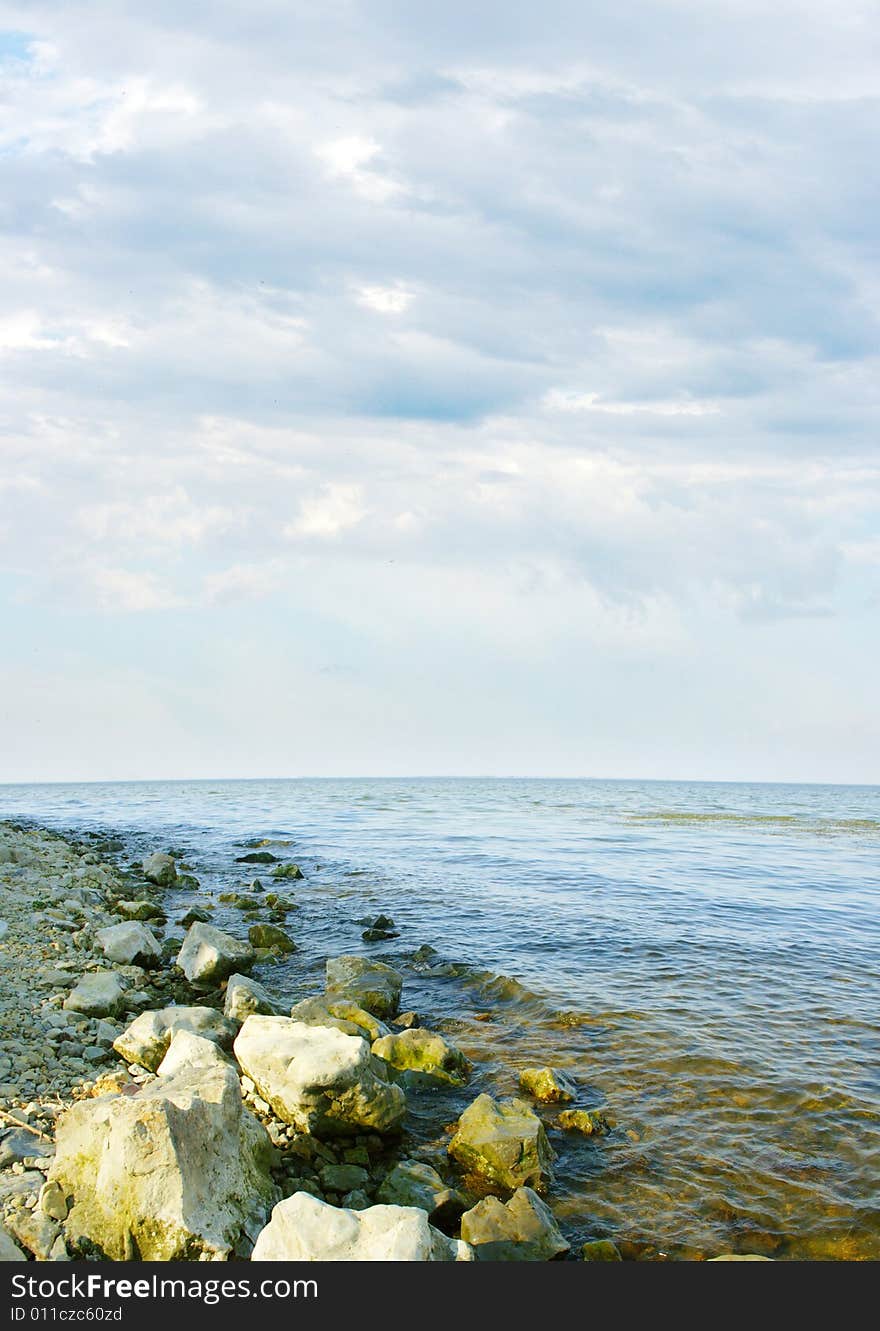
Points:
(396, 388)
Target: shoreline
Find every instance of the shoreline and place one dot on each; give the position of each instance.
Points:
(56, 895)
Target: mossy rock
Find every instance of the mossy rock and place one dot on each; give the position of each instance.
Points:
(600, 1250)
(504, 1143)
(588, 1122)
(287, 871)
(547, 1085)
(257, 857)
(269, 935)
(426, 1054)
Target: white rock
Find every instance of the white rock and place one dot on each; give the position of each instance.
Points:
(177, 1172)
(96, 995)
(187, 1050)
(302, 1229)
(371, 984)
(245, 996)
(209, 955)
(129, 942)
(145, 1042)
(318, 1078)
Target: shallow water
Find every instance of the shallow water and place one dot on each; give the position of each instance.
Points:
(702, 958)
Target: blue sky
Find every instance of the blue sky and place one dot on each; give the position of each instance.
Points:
(393, 388)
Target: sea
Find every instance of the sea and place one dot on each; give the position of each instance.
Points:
(701, 959)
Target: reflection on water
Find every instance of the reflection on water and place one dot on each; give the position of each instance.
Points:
(702, 959)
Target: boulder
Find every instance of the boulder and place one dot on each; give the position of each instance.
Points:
(341, 1013)
(370, 984)
(588, 1122)
(547, 1085)
(99, 994)
(244, 997)
(257, 857)
(129, 944)
(344, 1178)
(195, 915)
(177, 1172)
(208, 955)
(160, 869)
(269, 935)
(187, 1050)
(504, 1142)
(35, 1231)
(146, 1040)
(302, 1229)
(522, 1230)
(423, 1057)
(414, 1183)
(317, 1078)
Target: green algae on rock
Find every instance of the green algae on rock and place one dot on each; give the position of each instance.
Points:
(269, 935)
(589, 1122)
(522, 1230)
(370, 984)
(547, 1085)
(427, 1056)
(504, 1142)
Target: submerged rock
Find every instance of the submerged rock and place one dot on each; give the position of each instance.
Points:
(370, 984)
(339, 1012)
(522, 1230)
(302, 1229)
(425, 1054)
(257, 857)
(269, 935)
(98, 994)
(317, 1078)
(287, 871)
(414, 1183)
(245, 996)
(160, 869)
(146, 1040)
(600, 1250)
(129, 944)
(547, 1085)
(504, 1142)
(589, 1122)
(175, 1173)
(208, 955)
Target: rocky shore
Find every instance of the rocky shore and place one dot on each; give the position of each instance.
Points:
(157, 1104)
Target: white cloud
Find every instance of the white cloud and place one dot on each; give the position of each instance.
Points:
(559, 399)
(336, 509)
(387, 300)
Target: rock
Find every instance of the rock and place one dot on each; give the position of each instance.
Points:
(523, 1230)
(9, 1250)
(740, 1257)
(34, 1231)
(343, 1178)
(52, 1201)
(547, 1085)
(130, 943)
(302, 1229)
(208, 955)
(244, 997)
(425, 1054)
(287, 871)
(19, 1145)
(138, 910)
(413, 1183)
(355, 1201)
(145, 1042)
(407, 1021)
(600, 1250)
(160, 869)
(257, 857)
(317, 1078)
(370, 984)
(176, 1172)
(589, 1122)
(341, 1013)
(99, 994)
(379, 935)
(187, 1050)
(504, 1142)
(269, 935)
(195, 915)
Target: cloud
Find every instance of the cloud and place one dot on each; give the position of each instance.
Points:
(419, 326)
